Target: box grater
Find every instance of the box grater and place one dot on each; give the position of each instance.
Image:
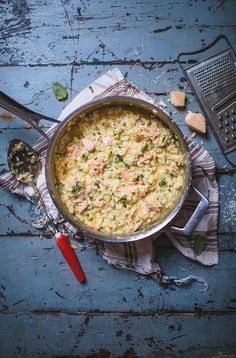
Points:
(213, 81)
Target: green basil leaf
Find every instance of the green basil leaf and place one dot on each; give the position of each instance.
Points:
(199, 245)
(59, 91)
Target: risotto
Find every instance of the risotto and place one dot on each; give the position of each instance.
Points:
(120, 170)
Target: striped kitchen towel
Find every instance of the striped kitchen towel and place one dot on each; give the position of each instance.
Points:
(139, 256)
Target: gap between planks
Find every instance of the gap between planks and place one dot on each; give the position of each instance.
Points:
(100, 63)
(122, 313)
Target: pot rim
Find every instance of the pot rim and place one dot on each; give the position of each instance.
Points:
(95, 104)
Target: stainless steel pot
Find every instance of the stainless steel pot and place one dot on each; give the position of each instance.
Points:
(73, 120)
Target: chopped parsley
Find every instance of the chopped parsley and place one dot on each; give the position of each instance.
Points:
(162, 183)
(84, 157)
(76, 188)
(123, 201)
(137, 178)
(144, 148)
(97, 185)
(118, 158)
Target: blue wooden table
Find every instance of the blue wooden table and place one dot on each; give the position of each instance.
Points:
(117, 313)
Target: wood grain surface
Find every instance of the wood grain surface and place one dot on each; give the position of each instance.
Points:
(43, 311)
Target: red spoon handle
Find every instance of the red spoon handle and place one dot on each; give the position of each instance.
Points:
(70, 257)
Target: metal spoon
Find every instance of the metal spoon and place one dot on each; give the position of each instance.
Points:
(24, 164)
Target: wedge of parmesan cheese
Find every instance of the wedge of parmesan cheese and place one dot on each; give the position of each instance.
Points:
(177, 98)
(196, 122)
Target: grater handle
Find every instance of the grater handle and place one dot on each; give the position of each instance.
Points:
(217, 39)
(196, 216)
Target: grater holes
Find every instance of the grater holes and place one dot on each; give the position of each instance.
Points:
(215, 76)
(214, 83)
(215, 88)
(226, 125)
(213, 69)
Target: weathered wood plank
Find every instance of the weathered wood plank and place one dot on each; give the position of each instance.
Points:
(37, 94)
(40, 280)
(108, 32)
(117, 336)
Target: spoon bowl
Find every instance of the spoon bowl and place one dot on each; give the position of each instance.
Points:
(23, 161)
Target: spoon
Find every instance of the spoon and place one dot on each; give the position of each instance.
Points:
(24, 164)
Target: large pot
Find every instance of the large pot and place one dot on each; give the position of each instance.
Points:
(73, 120)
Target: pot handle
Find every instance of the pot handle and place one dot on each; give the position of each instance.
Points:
(196, 216)
(29, 116)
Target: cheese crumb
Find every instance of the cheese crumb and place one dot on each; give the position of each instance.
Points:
(196, 122)
(177, 98)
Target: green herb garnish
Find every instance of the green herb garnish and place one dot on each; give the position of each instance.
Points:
(97, 185)
(123, 201)
(118, 158)
(199, 245)
(137, 178)
(145, 148)
(59, 91)
(84, 157)
(76, 188)
(79, 169)
(162, 183)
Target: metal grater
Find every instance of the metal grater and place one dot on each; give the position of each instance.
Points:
(213, 82)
